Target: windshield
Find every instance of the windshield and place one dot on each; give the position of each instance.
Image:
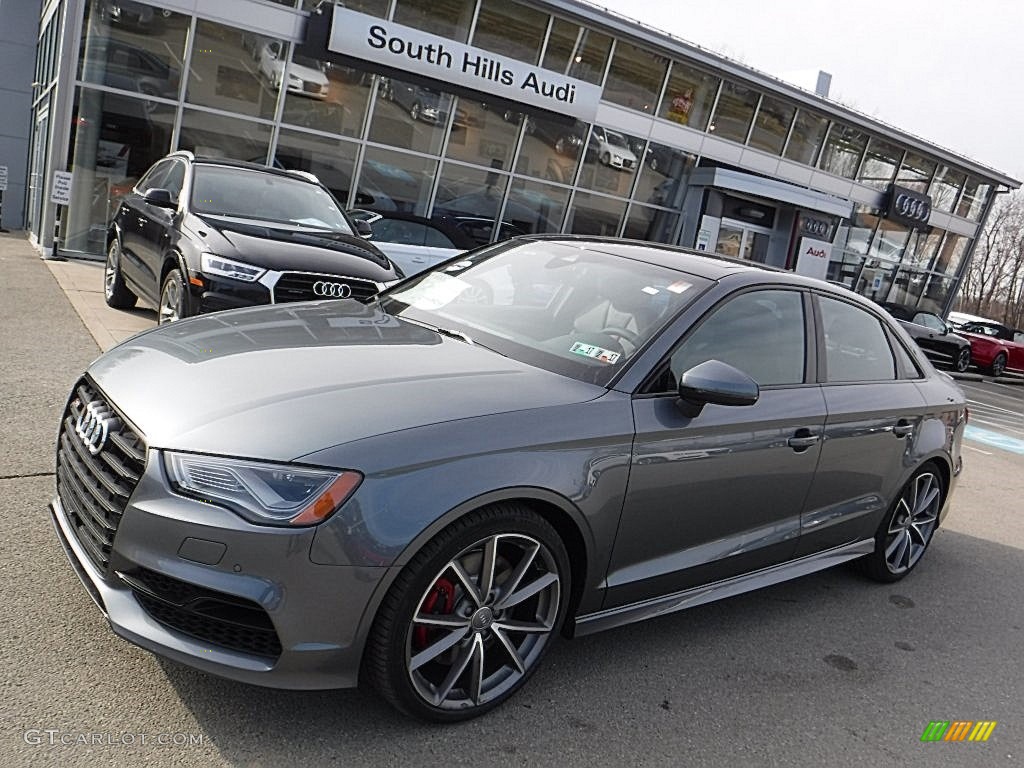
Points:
(556, 305)
(251, 194)
(615, 139)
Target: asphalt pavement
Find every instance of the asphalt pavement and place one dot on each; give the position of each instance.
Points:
(828, 670)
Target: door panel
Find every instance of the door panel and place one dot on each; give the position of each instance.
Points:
(713, 496)
(862, 459)
(872, 417)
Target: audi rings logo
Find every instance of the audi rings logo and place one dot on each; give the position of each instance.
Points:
(816, 227)
(332, 290)
(912, 207)
(909, 207)
(93, 425)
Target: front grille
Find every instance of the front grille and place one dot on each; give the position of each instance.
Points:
(298, 286)
(94, 487)
(214, 617)
(310, 87)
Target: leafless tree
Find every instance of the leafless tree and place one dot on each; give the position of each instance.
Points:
(993, 285)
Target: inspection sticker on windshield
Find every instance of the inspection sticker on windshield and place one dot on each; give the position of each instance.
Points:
(588, 350)
(679, 286)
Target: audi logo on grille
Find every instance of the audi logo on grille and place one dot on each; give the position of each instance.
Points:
(332, 290)
(93, 425)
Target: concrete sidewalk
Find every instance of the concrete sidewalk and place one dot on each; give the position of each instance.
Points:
(82, 283)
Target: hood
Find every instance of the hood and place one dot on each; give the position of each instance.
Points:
(275, 246)
(281, 381)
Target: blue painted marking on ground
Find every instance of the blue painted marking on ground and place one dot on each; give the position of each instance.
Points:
(996, 439)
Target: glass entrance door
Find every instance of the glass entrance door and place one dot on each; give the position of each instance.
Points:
(742, 241)
(37, 172)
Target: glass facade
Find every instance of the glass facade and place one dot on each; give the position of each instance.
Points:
(380, 142)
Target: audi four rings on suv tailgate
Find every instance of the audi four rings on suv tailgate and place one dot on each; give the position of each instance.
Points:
(199, 235)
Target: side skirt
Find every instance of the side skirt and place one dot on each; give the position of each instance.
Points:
(658, 606)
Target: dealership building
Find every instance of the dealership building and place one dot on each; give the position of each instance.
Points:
(545, 116)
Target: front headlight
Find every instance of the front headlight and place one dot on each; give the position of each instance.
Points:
(236, 270)
(262, 493)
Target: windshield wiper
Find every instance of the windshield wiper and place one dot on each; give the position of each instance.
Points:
(455, 335)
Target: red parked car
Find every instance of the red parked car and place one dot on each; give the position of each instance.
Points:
(995, 347)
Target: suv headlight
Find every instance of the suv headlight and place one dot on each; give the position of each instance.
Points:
(262, 493)
(236, 270)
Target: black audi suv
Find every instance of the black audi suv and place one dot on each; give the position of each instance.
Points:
(200, 235)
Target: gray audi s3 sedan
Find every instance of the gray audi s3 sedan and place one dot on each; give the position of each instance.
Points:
(421, 490)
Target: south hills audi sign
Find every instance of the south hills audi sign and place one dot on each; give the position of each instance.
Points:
(402, 48)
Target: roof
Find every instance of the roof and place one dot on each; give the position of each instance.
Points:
(704, 264)
(243, 164)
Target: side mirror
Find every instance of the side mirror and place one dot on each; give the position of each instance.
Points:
(717, 383)
(364, 230)
(161, 198)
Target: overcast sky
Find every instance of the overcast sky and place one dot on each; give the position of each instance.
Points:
(949, 71)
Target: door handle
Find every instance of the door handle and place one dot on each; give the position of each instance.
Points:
(902, 428)
(803, 439)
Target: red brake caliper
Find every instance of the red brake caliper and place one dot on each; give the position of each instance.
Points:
(439, 601)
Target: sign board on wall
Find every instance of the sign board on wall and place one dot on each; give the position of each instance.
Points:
(3, 178)
(907, 207)
(813, 256)
(60, 192)
(382, 42)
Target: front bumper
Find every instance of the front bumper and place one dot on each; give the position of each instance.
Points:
(318, 612)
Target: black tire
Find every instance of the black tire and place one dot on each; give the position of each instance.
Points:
(115, 292)
(963, 360)
(174, 301)
(401, 661)
(998, 365)
(606, 159)
(907, 528)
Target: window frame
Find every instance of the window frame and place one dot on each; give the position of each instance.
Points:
(657, 372)
(889, 334)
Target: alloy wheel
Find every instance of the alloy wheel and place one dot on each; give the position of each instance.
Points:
(963, 360)
(170, 302)
(913, 522)
(483, 622)
(111, 269)
(999, 365)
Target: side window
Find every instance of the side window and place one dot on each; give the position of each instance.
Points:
(856, 348)
(174, 180)
(436, 238)
(761, 333)
(908, 368)
(154, 177)
(928, 320)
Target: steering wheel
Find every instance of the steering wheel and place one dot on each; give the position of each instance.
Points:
(622, 333)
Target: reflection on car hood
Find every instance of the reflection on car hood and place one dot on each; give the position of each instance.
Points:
(278, 382)
(275, 246)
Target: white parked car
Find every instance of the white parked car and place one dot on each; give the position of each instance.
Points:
(956, 319)
(305, 76)
(613, 150)
(412, 242)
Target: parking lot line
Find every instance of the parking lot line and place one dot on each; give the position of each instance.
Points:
(996, 439)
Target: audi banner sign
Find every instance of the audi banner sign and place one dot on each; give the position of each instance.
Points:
(908, 207)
